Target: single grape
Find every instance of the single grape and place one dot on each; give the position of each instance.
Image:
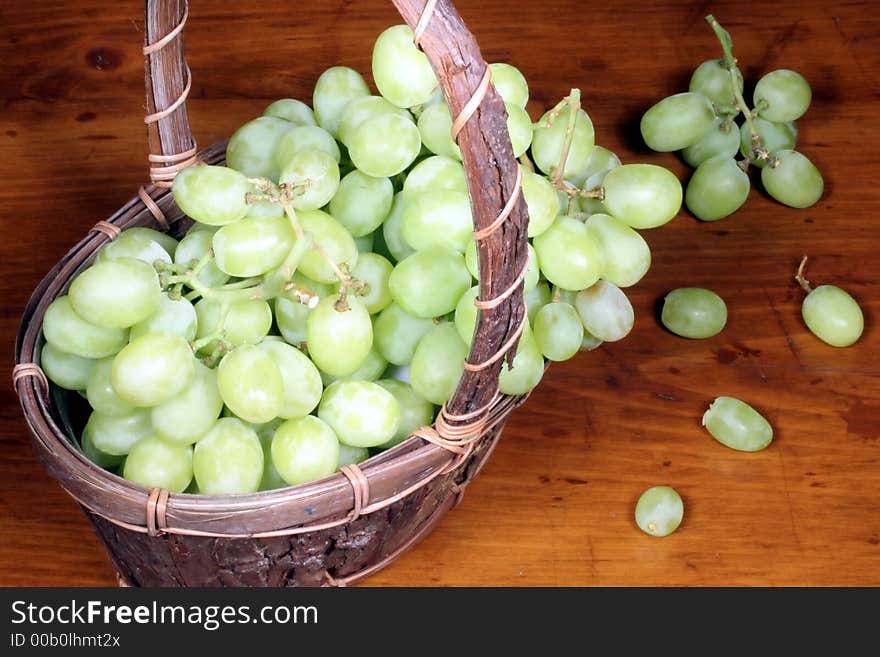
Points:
(64, 329)
(116, 293)
(626, 256)
(246, 322)
(435, 174)
(384, 145)
(138, 245)
(601, 162)
(527, 369)
(401, 71)
(291, 317)
(374, 271)
(712, 79)
(335, 88)
(174, 316)
(466, 314)
(229, 459)
(251, 384)
(313, 173)
(438, 363)
(193, 248)
(723, 140)
(558, 331)
(437, 219)
(396, 334)
(304, 138)
(96, 456)
(361, 109)
(304, 450)
(349, 455)
(569, 254)
(157, 463)
(519, 127)
(251, 148)
(590, 342)
(117, 434)
(365, 243)
(435, 127)
(331, 236)
(100, 393)
(339, 340)
(547, 144)
(774, 137)
(642, 195)
(290, 109)
(542, 201)
(271, 478)
(718, 188)
(191, 414)
(213, 195)
(536, 299)
(392, 231)
(659, 511)
(398, 373)
(362, 202)
(68, 371)
(510, 84)
(415, 411)
(833, 316)
(300, 379)
(735, 424)
(605, 311)
(558, 294)
(361, 413)
(782, 96)
(429, 283)
(371, 369)
(677, 121)
(152, 369)
(166, 241)
(253, 245)
(792, 179)
(694, 312)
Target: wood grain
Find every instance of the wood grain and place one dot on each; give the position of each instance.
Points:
(554, 504)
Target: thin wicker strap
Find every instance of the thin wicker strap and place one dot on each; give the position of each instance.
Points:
(154, 209)
(168, 38)
(25, 370)
(162, 176)
(112, 231)
(471, 106)
(506, 210)
(161, 114)
(157, 503)
(476, 367)
(489, 304)
(424, 19)
(361, 487)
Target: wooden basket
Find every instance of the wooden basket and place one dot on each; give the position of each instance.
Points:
(348, 525)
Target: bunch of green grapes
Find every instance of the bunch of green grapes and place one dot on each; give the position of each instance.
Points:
(321, 305)
(702, 124)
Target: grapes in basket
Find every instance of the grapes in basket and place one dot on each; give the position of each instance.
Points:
(321, 305)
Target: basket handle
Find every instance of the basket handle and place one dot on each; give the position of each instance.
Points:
(493, 174)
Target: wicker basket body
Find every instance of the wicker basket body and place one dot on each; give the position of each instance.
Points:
(340, 528)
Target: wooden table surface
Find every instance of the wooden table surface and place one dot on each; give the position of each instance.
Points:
(554, 506)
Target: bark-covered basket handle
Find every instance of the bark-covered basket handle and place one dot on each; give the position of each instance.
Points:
(493, 175)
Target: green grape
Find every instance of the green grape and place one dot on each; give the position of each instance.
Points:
(723, 140)
(519, 127)
(174, 316)
(792, 179)
(471, 259)
(96, 456)
(191, 414)
(601, 162)
(718, 188)
(315, 174)
(782, 96)
(253, 246)
(626, 256)
(542, 201)
(398, 373)
(774, 137)
(292, 110)
(437, 363)
(435, 127)
(339, 340)
(677, 121)
(100, 393)
(570, 256)
(166, 241)
(271, 478)
(68, 371)
(396, 334)
(510, 84)
(362, 202)
(157, 463)
(135, 245)
(536, 299)
(117, 434)
(659, 511)
(392, 231)
(547, 144)
(384, 145)
(305, 138)
(735, 424)
(527, 369)
(291, 317)
(213, 195)
(401, 71)
(247, 322)
(152, 369)
(349, 455)
(229, 459)
(361, 413)
(251, 384)
(466, 314)
(558, 331)
(833, 316)
(251, 148)
(263, 209)
(64, 329)
(116, 293)
(429, 283)
(300, 379)
(605, 311)
(336, 87)
(558, 294)
(365, 243)
(434, 174)
(336, 241)
(415, 411)
(193, 248)
(373, 270)
(533, 275)
(642, 195)
(305, 449)
(437, 219)
(590, 342)
(694, 312)
(712, 79)
(361, 109)
(372, 368)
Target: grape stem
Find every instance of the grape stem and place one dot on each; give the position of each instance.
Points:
(574, 105)
(799, 277)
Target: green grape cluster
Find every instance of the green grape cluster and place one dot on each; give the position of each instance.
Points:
(701, 123)
(321, 305)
